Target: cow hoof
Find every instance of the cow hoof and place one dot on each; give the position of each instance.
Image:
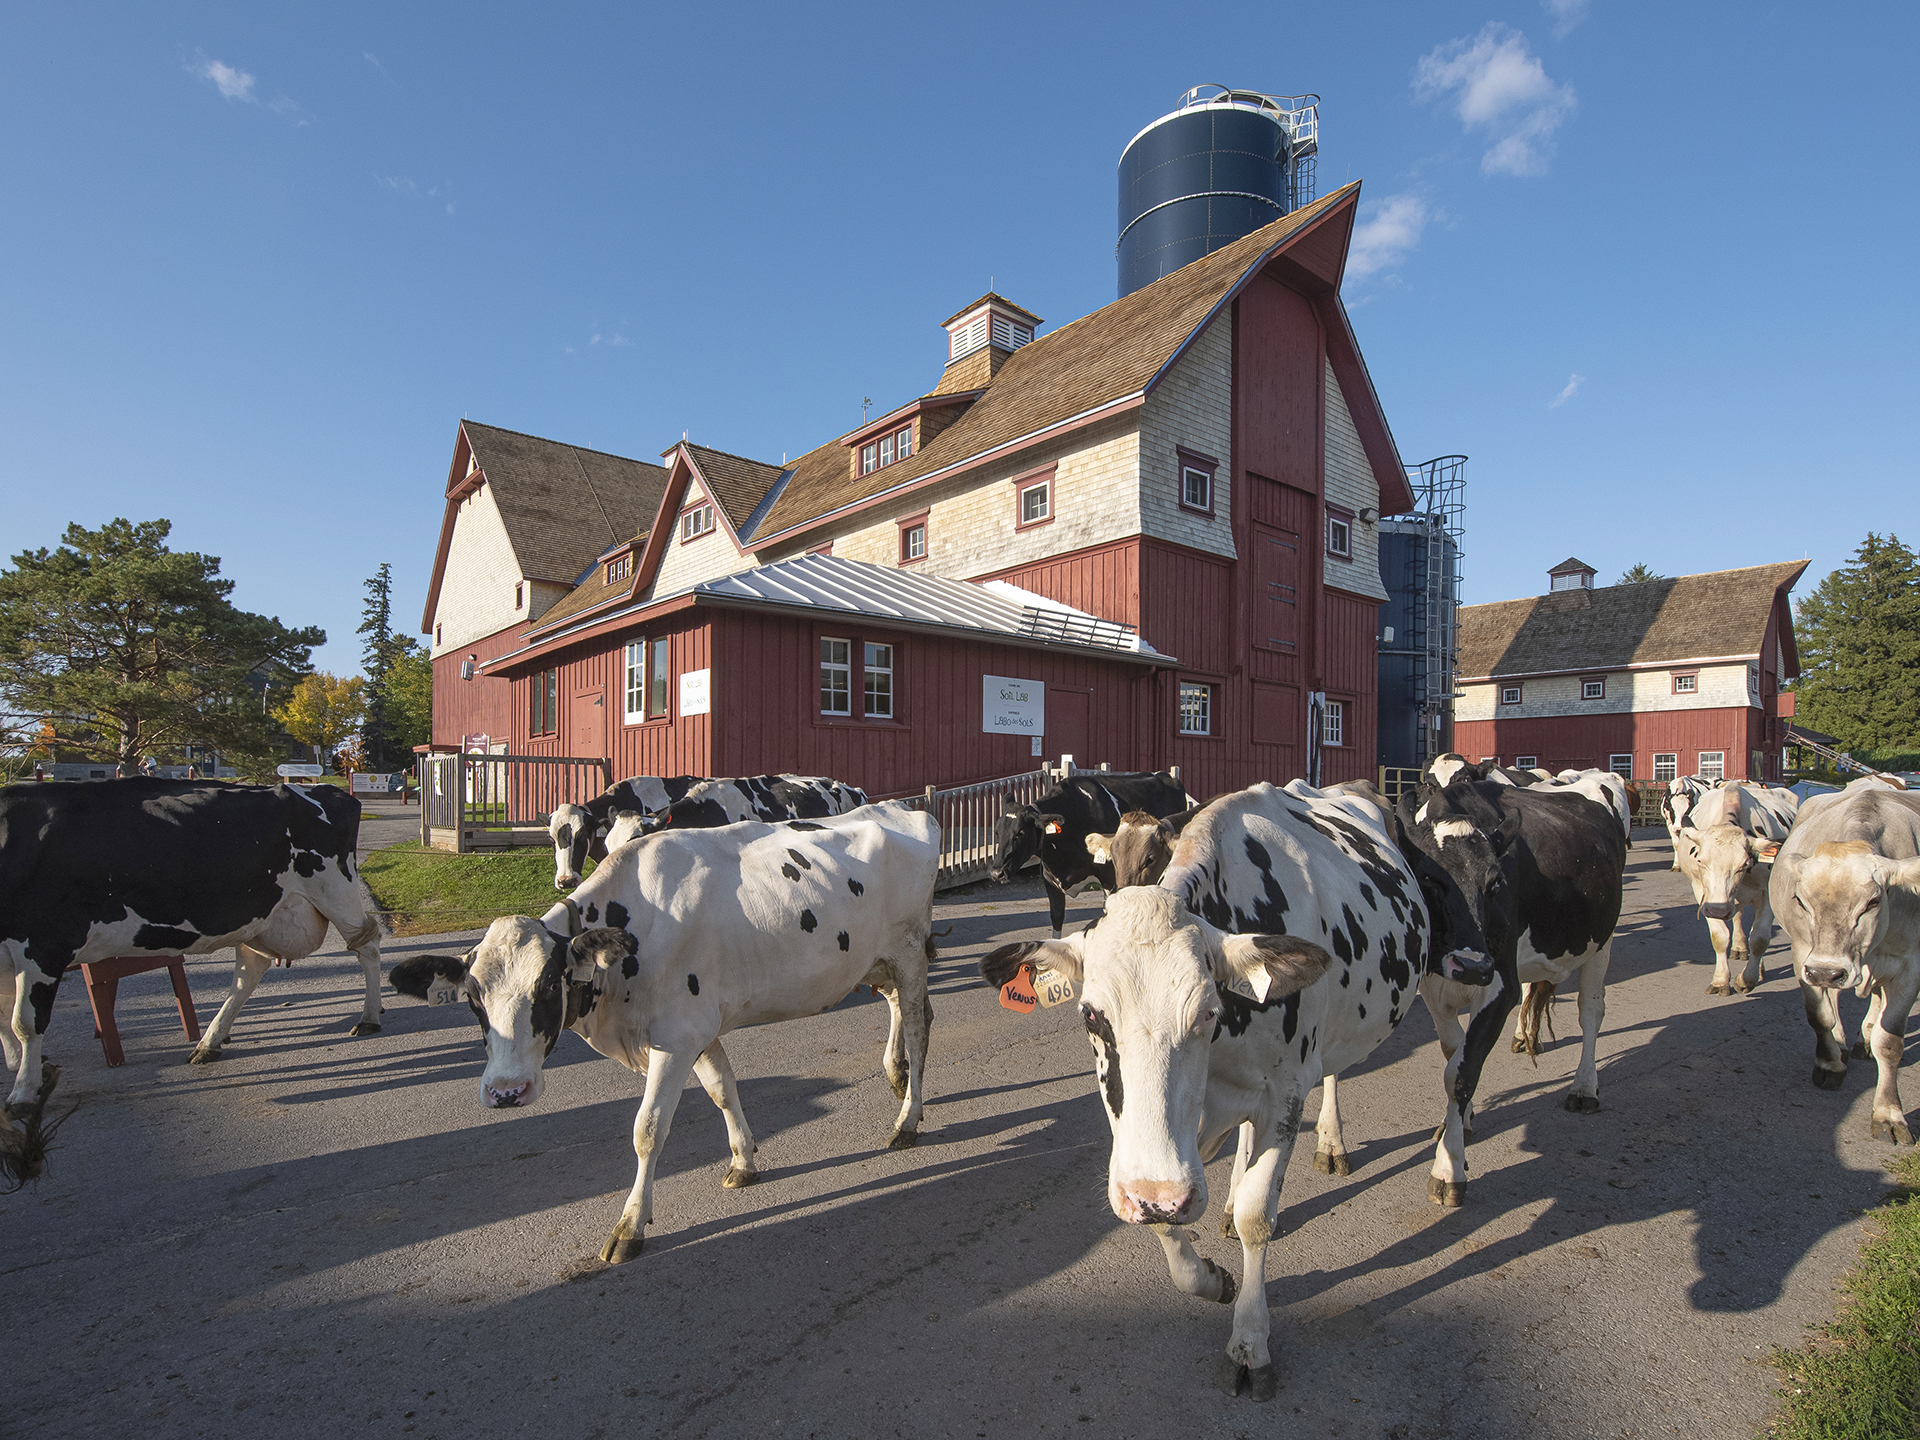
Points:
(1227, 1288)
(1519, 1047)
(1718, 987)
(621, 1246)
(1263, 1383)
(736, 1178)
(1329, 1162)
(1829, 1079)
(1583, 1104)
(1894, 1132)
(203, 1056)
(1232, 1375)
(1450, 1193)
(903, 1139)
(899, 1087)
(365, 1027)
(1227, 1230)
(1859, 1051)
(1744, 985)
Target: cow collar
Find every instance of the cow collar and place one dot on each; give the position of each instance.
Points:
(574, 926)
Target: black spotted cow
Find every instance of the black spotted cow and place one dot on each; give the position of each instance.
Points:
(171, 867)
(579, 832)
(693, 934)
(1283, 943)
(1054, 830)
(755, 797)
(1533, 876)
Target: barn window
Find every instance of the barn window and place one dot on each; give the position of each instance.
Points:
(519, 592)
(1526, 762)
(1621, 765)
(1666, 766)
(1509, 694)
(646, 686)
(1334, 730)
(1196, 708)
(1753, 679)
(619, 569)
(1196, 480)
(1036, 502)
(1339, 537)
(878, 454)
(439, 635)
(879, 682)
(543, 710)
(696, 522)
(1593, 687)
(913, 539)
(1687, 684)
(836, 676)
(1713, 765)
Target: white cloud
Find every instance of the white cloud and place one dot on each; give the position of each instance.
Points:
(232, 83)
(610, 341)
(1499, 87)
(1386, 236)
(1574, 382)
(1565, 14)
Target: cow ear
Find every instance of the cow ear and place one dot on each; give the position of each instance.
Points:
(1906, 874)
(1100, 847)
(603, 948)
(1507, 831)
(1053, 824)
(1270, 967)
(1006, 970)
(1761, 848)
(422, 975)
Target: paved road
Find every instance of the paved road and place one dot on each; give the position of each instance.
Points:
(322, 1235)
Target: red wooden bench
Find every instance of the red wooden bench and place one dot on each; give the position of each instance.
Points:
(103, 979)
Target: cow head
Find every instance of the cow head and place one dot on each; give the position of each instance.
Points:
(626, 825)
(572, 830)
(1845, 895)
(1720, 857)
(525, 984)
(1017, 837)
(1139, 850)
(1467, 876)
(1149, 974)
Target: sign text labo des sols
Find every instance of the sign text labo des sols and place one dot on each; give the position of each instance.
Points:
(1012, 707)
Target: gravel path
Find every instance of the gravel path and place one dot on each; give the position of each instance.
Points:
(322, 1235)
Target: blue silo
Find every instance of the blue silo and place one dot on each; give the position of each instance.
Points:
(1218, 167)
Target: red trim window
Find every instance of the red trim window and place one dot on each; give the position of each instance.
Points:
(1033, 500)
(1196, 483)
(878, 454)
(543, 709)
(1339, 532)
(646, 680)
(1510, 694)
(619, 568)
(913, 538)
(1593, 687)
(519, 594)
(696, 520)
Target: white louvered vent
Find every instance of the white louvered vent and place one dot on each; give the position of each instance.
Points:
(1009, 335)
(968, 338)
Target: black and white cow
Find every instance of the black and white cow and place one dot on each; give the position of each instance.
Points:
(1683, 793)
(696, 933)
(1054, 829)
(1725, 846)
(579, 832)
(1282, 944)
(1533, 874)
(1445, 769)
(756, 797)
(171, 867)
(1846, 886)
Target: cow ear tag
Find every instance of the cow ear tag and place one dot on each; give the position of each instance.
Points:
(1017, 994)
(442, 992)
(1053, 827)
(1254, 987)
(1052, 988)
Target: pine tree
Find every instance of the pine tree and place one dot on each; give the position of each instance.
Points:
(1859, 638)
(376, 658)
(1638, 574)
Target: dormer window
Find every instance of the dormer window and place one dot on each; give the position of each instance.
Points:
(696, 522)
(878, 454)
(619, 568)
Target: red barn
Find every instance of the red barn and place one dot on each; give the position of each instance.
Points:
(1653, 680)
(1145, 538)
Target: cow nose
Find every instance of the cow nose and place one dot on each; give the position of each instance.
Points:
(1716, 912)
(999, 877)
(1825, 976)
(1468, 967)
(505, 1097)
(565, 882)
(1157, 1202)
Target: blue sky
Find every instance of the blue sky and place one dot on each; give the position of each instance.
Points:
(1650, 266)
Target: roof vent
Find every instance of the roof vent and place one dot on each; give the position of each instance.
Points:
(1571, 574)
(992, 324)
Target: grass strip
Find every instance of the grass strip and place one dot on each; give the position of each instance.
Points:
(1859, 1379)
(425, 891)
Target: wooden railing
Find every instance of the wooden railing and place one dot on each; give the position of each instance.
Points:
(491, 802)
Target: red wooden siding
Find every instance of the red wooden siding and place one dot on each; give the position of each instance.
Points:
(675, 745)
(1581, 741)
(1279, 386)
(1351, 674)
(483, 705)
(1103, 581)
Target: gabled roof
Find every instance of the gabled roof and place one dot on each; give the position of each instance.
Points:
(1720, 615)
(737, 483)
(1091, 365)
(562, 505)
(592, 591)
(1571, 566)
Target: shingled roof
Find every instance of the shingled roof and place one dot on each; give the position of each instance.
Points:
(1103, 357)
(1693, 617)
(737, 483)
(562, 505)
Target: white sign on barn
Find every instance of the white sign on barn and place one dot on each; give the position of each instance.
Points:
(1012, 707)
(696, 692)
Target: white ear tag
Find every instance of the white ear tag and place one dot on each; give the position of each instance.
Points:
(443, 992)
(1051, 988)
(1254, 987)
(1053, 828)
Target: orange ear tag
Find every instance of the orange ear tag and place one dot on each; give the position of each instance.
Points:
(1017, 994)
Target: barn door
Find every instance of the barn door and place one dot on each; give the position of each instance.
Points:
(588, 731)
(1278, 567)
(1068, 729)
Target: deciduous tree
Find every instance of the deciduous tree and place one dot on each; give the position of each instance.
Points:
(324, 710)
(1859, 639)
(409, 697)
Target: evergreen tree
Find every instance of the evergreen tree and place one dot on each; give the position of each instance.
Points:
(1859, 638)
(377, 656)
(114, 647)
(1638, 574)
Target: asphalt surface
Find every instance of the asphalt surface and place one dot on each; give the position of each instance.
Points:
(320, 1235)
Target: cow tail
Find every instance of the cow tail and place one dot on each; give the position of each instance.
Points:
(24, 1147)
(1538, 1005)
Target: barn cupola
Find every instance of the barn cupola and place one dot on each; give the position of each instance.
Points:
(981, 337)
(1571, 574)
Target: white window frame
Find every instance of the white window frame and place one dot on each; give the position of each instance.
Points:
(697, 522)
(1753, 679)
(903, 442)
(870, 457)
(1045, 491)
(1614, 763)
(1333, 724)
(1526, 762)
(636, 682)
(1687, 684)
(830, 669)
(1718, 761)
(872, 697)
(1669, 761)
(1187, 475)
(1513, 690)
(1341, 548)
(908, 534)
(1202, 712)
(1596, 683)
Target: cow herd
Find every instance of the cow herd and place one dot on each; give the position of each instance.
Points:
(1250, 948)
